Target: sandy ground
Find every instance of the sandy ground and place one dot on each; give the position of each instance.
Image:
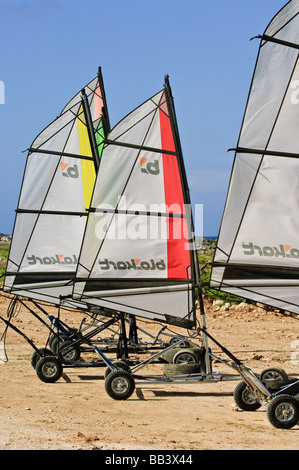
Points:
(76, 413)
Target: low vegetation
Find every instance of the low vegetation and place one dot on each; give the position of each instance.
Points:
(4, 249)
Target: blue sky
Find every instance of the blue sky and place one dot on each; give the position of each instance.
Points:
(52, 48)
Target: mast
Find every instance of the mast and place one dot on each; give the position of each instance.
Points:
(105, 118)
(90, 130)
(194, 257)
(169, 97)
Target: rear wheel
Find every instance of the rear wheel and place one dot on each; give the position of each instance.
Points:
(55, 340)
(274, 378)
(37, 355)
(244, 398)
(283, 411)
(48, 369)
(69, 351)
(119, 385)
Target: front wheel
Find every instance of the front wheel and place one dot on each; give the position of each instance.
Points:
(119, 364)
(283, 412)
(244, 398)
(49, 369)
(119, 385)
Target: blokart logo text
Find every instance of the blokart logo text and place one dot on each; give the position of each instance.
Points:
(133, 264)
(150, 168)
(281, 251)
(69, 171)
(56, 259)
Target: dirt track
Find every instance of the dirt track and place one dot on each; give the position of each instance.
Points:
(76, 412)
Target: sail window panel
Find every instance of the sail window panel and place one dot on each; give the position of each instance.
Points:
(139, 119)
(51, 248)
(159, 99)
(285, 24)
(96, 104)
(72, 144)
(243, 177)
(24, 225)
(217, 276)
(66, 192)
(78, 290)
(269, 85)
(39, 172)
(9, 279)
(96, 230)
(145, 188)
(56, 134)
(220, 257)
(136, 134)
(116, 165)
(153, 135)
(76, 100)
(270, 226)
(285, 136)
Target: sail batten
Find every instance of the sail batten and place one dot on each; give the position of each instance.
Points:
(257, 252)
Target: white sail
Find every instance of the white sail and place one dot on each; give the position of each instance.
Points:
(56, 191)
(136, 256)
(257, 254)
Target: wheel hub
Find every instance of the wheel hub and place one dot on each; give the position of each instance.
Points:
(49, 369)
(285, 412)
(120, 385)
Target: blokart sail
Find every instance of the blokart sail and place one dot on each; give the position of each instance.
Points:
(257, 253)
(137, 255)
(58, 181)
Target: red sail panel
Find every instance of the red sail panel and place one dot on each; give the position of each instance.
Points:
(98, 102)
(178, 258)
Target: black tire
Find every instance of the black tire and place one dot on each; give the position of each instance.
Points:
(119, 385)
(245, 399)
(283, 411)
(187, 356)
(170, 370)
(37, 355)
(176, 339)
(274, 378)
(48, 369)
(55, 340)
(169, 355)
(68, 351)
(119, 364)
